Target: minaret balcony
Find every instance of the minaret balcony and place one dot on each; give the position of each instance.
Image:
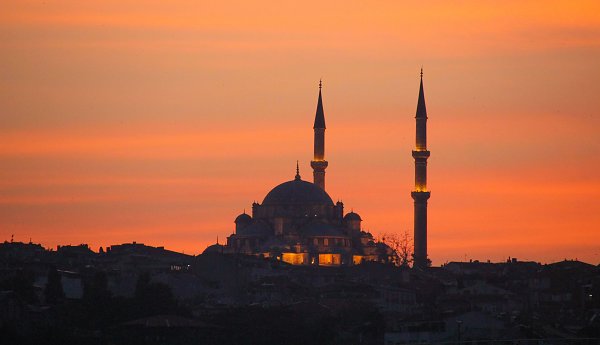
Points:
(319, 165)
(420, 196)
(422, 154)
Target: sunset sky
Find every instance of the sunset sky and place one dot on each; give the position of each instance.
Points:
(160, 121)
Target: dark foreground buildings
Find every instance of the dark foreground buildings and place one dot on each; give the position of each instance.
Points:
(136, 294)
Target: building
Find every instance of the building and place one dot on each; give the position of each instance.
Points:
(298, 222)
(420, 195)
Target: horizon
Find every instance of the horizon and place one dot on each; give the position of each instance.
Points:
(161, 124)
(469, 260)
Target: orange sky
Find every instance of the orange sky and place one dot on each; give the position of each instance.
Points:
(160, 121)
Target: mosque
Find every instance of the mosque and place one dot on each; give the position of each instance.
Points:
(298, 222)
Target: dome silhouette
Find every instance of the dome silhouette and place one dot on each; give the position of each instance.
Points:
(352, 216)
(243, 219)
(297, 192)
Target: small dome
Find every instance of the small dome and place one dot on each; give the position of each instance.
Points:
(297, 192)
(352, 216)
(243, 218)
(215, 248)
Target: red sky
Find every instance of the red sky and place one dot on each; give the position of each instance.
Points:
(160, 121)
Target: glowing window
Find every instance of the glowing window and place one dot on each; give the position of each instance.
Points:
(357, 259)
(330, 259)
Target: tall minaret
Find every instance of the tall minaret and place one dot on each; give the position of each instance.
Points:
(319, 164)
(421, 194)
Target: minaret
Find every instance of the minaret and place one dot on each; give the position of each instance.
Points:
(421, 194)
(319, 164)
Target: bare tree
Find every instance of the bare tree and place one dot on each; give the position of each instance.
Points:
(401, 245)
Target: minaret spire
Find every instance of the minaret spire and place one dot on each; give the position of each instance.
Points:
(320, 115)
(420, 195)
(319, 164)
(297, 171)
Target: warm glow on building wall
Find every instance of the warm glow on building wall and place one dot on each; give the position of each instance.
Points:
(295, 258)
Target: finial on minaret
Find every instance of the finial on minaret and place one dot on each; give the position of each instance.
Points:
(320, 83)
(421, 72)
(297, 171)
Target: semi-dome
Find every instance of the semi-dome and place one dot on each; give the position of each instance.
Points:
(215, 248)
(352, 216)
(297, 192)
(243, 219)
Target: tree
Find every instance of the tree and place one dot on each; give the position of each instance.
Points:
(22, 285)
(154, 297)
(402, 247)
(96, 289)
(54, 291)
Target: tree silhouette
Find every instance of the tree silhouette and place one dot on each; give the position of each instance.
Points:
(154, 297)
(54, 291)
(22, 285)
(402, 247)
(95, 290)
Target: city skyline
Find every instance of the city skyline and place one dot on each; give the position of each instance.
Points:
(160, 125)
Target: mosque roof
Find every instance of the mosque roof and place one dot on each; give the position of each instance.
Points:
(321, 229)
(257, 228)
(297, 192)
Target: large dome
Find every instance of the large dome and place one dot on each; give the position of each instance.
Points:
(297, 192)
